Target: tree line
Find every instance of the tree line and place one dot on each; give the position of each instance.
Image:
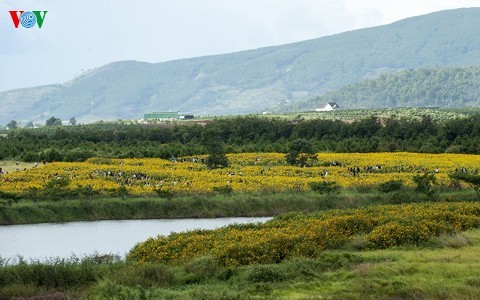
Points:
(434, 87)
(240, 134)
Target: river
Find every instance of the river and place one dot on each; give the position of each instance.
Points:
(42, 241)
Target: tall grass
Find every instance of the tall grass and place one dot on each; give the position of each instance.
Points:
(236, 205)
(202, 206)
(56, 274)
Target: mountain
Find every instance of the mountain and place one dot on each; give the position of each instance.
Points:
(437, 87)
(254, 80)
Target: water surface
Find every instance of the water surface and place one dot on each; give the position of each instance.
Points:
(41, 241)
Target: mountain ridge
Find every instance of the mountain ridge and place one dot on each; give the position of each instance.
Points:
(255, 80)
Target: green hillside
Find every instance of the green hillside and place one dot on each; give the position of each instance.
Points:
(256, 80)
(438, 87)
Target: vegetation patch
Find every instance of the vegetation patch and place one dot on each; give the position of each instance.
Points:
(309, 235)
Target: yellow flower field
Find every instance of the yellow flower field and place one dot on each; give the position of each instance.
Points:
(300, 235)
(247, 172)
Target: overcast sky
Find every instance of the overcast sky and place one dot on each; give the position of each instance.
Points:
(78, 35)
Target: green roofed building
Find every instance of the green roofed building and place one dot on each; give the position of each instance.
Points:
(161, 116)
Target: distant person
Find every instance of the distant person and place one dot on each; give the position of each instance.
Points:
(1, 171)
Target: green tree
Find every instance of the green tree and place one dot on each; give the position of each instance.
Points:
(212, 141)
(301, 153)
(73, 121)
(29, 125)
(472, 180)
(12, 125)
(425, 185)
(53, 122)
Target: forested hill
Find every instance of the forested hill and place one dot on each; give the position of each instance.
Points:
(254, 80)
(438, 87)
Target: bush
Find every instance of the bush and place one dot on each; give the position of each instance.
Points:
(263, 273)
(163, 193)
(390, 186)
(30, 156)
(122, 192)
(57, 189)
(450, 241)
(55, 274)
(78, 155)
(86, 191)
(404, 196)
(425, 185)
(52, 155)
(146, 275)
(397, 234)
(224, 189)
(325, 187)
(202, 268)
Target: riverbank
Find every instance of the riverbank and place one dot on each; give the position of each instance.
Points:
(212, 206)
(447, 268)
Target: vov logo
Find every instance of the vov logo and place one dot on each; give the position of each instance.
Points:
(28, 19)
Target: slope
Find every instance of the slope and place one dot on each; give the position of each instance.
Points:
(255, 80)
(437, 87)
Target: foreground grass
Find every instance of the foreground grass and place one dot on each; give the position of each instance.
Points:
(447, 268)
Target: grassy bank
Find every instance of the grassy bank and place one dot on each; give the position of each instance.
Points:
(235, 205)
(446, 268)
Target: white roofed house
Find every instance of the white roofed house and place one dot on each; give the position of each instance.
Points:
(328, 107)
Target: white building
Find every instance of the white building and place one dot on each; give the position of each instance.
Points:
(328, 107)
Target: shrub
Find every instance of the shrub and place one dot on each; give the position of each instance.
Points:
(78, 155)
(30, 156)
(358, 243)
(56, 189)
(390, 186)
(263, 273)
(450, 241)
(224, 189)
(396, 234)
(424, 184)
(163, 193)
(404, 196)
(146, 275)
(325, 187)
(202, 268)
(52, 155)
(308, 236)
(122, 192)
(86, 191)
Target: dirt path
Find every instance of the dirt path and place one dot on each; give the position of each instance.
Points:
(11, 166)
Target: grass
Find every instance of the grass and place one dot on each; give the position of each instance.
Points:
(236, 205)
(435, 271)
(203, 206)
(11, 166)
(448, 267)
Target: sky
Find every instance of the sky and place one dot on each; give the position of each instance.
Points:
(79, 35)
